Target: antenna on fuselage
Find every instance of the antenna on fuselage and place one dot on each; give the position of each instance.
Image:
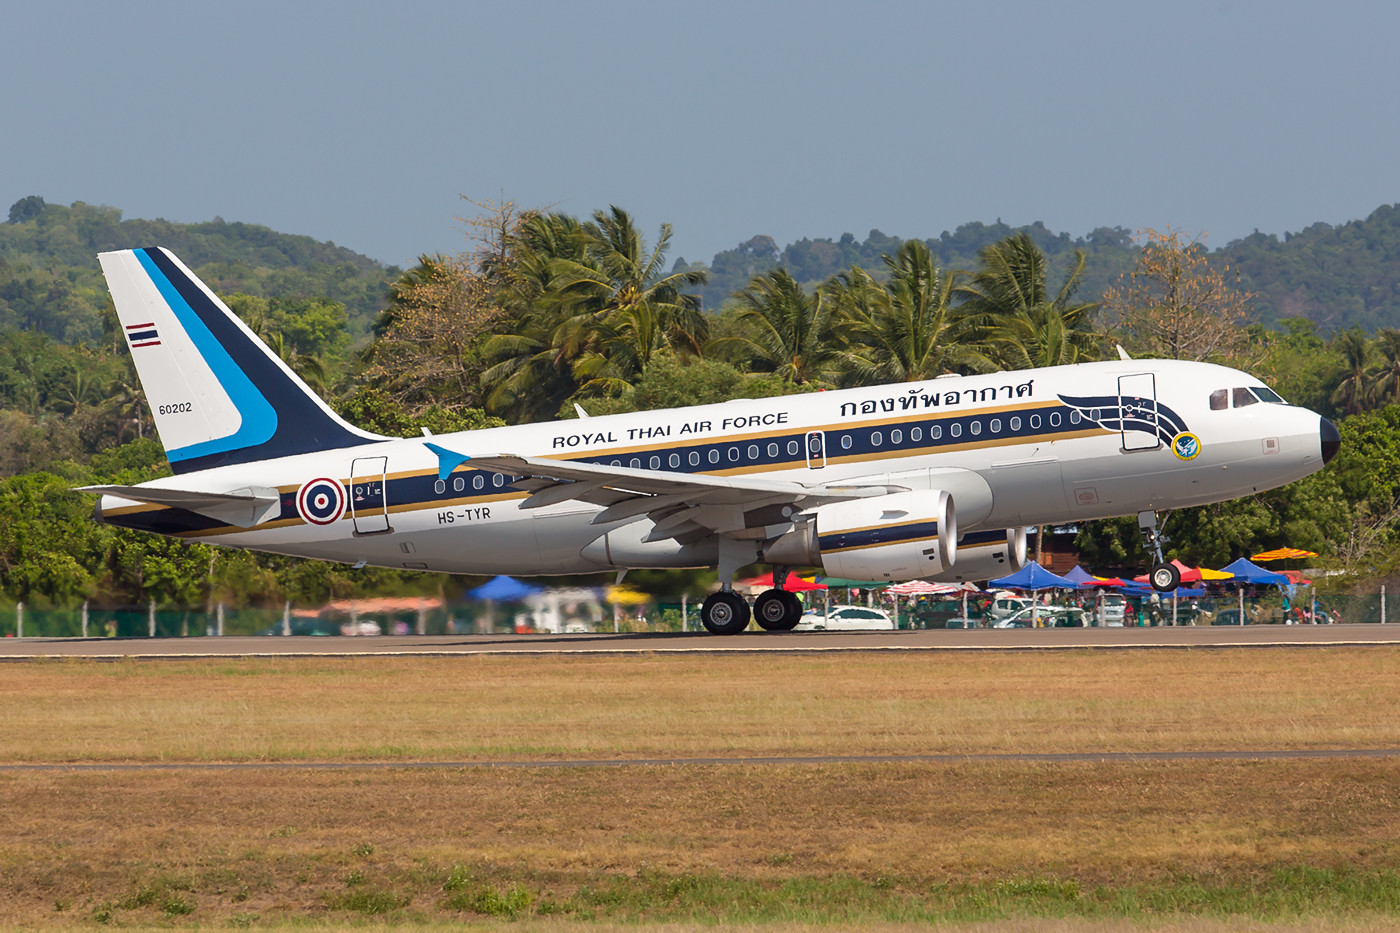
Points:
(1122, 354)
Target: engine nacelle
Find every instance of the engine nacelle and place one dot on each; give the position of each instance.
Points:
(902, 536)
(984, 555)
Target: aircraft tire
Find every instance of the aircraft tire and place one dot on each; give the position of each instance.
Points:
(794, 612)
(724, 614)
(1165, 577)
(777, 610)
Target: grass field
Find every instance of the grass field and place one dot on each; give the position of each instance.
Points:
(1179, 845)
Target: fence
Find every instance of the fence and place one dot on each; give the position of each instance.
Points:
(153, 622)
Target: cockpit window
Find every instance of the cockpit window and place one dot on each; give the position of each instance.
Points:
(1239, 397)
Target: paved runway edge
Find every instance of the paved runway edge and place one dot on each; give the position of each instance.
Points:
(933, 640)
(758, 761)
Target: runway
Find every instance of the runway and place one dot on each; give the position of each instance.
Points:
(1182, 637)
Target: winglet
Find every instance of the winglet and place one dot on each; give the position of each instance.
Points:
(448, 460)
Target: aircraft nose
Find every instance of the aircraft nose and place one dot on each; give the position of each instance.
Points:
(1331, 440)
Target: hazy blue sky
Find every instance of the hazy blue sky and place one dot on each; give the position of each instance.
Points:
(363, 122)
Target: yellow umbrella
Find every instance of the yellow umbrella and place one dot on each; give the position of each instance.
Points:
(624, 596)
(1283, 553)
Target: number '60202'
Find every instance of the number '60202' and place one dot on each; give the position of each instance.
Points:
(175, 408)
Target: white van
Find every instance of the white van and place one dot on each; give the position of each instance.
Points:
(1112, 608)
(1004, 606)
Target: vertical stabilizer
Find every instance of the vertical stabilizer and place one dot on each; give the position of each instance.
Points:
(218, 395)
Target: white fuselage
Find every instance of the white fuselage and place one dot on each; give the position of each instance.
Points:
(1025, 448)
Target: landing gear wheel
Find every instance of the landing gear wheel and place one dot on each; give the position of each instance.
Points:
(724, 614)
(1165, 577)
(777, 610)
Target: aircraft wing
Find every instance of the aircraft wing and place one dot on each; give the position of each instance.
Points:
(243, 507)
(680, 504)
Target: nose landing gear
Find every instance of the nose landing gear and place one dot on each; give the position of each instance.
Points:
(1164, 576)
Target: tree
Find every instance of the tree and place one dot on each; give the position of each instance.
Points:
(1351, 393)
(1177, 304)
(786, 332)
(905, 328)
(635, 309)
(1007, 299)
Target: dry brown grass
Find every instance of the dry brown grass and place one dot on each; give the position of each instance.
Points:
(882, 846)
(472, 707)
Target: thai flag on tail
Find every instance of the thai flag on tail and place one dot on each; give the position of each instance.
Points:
(142, 335)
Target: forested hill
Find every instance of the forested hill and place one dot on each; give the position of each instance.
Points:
(1341, 277)
(50, 280)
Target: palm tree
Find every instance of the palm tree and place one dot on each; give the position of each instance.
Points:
(532, 358)
(1351, 393)
(1385, 385)
(645, 311)
(788, 332)
(1009, 301)
(906, 328)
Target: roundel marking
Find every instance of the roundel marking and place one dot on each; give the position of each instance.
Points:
(321, 501)
(1186, 446)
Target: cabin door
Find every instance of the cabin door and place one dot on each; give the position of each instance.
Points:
(369, 508)
(816, 450)
(1137, 407)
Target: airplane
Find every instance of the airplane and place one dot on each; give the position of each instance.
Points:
(936, 479)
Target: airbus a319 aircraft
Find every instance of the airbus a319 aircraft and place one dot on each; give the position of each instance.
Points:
(860, 482)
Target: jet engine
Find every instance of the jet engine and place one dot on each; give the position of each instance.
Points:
(901, 536)
(983, 555)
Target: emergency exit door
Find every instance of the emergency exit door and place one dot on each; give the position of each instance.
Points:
(369, 506)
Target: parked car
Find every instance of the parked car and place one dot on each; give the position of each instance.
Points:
(1226, 617)
(1047, 616)
(1111, 610)
(845, 619)
(1003, 607)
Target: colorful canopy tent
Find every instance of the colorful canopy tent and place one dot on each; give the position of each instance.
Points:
(842, 583)
(1284, 553)
(793, 583)
(1250, 573)
(1192, 574)
(503, 589)
(1034, 577)
(923, 588)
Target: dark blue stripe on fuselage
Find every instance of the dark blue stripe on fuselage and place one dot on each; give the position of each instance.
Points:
(302, 425)
(853, 442)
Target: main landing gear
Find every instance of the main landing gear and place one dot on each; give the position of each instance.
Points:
(775, 610)
(1163, 576)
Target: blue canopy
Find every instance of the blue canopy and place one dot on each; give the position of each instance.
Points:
(1181, 592)
(1080, 575)
(503, 590)
(1034, 577)
(1247, 572)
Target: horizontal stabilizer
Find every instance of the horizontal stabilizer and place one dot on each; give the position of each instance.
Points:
(245, 507)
